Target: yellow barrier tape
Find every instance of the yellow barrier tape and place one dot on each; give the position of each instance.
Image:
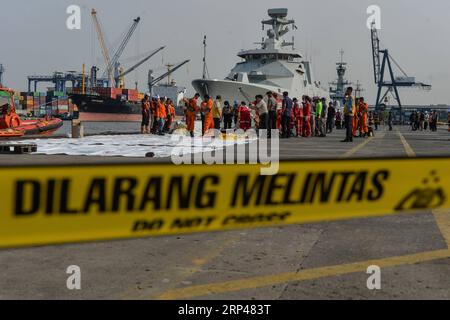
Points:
(57, 204)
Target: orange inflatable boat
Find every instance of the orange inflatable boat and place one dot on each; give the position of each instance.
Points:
(12, 126)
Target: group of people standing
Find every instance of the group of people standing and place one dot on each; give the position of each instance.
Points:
(293, 118)
(272, 111)
(423, 120)
(158, 115)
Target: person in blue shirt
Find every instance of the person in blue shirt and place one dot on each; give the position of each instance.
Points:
(286, 115)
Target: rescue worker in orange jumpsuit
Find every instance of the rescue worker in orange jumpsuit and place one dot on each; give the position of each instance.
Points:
(191, 114)
(206, 108)
(298, 118)
(145, 115)
(154, 111)
(278, 109)
(245, 117)
(161, 115)
(306, 116)
(170, 114)
(363, 117)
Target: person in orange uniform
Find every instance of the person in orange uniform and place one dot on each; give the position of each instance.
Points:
(170, 114)
(154, 112)
(145, 109)
(161, 116)
(298, 118)
(191, 113)
(363, 111)
(306, 116)
(206, 108)
(245, 117)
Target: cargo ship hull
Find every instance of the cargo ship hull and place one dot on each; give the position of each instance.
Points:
(97, 108)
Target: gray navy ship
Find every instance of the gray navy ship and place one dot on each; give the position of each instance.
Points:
(276, 66)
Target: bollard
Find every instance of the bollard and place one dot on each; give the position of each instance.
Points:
(77, 129)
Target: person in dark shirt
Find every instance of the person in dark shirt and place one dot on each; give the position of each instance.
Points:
(331, 113)
(286, 114)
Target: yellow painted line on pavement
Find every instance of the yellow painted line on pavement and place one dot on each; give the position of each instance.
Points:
(409, 151)
(309, 274)
(352, 151)
(442, 218)
(225, 241)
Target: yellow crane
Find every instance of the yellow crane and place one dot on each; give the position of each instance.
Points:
(101, 39)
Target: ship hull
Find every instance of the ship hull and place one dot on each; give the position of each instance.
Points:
(97, 109)
(232, 90)
(240, 91)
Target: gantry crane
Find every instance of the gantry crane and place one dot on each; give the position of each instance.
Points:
(379, 67)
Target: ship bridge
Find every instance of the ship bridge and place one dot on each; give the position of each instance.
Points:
(274, 54)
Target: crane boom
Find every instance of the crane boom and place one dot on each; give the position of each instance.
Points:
(376, 54)
(101, 39)
(122, 46)
(137, 65)
(172, 70)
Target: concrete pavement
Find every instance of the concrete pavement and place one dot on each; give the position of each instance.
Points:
(315, 261)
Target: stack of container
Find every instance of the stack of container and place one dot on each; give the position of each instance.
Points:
(27, 101)
(131, 94)
(58, 102)
(112, 93)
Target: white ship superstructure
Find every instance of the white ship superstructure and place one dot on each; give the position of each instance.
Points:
(276, 66)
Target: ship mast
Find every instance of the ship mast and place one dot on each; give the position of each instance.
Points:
(337, 93)
(280, 26)
(205, 68)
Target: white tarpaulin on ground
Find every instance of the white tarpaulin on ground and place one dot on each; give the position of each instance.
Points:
(128, 145)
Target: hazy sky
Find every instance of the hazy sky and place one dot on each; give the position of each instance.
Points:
(35, 39)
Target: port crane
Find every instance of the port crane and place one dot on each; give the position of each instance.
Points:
(114, 63)
(382, 60)
(101, 39)
(153, 81)
(137, 65)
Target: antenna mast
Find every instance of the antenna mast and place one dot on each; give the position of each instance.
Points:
(205, 70)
